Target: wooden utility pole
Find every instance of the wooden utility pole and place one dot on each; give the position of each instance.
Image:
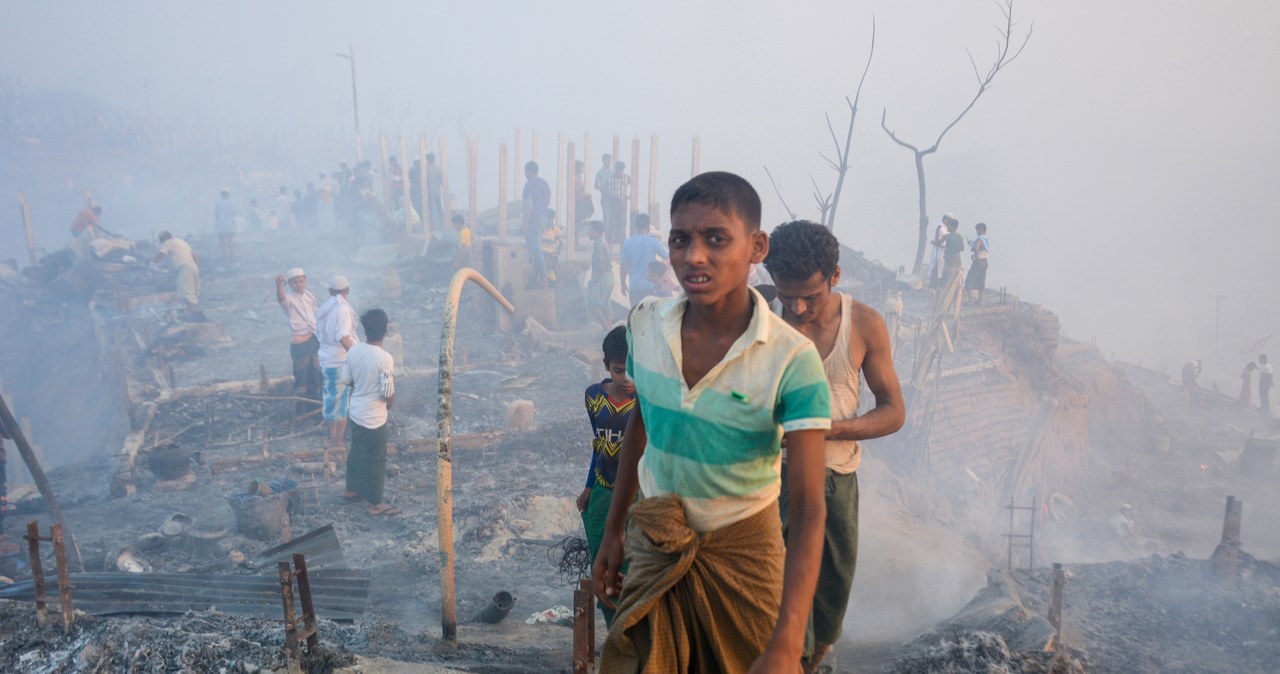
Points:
(473, 181)
(37, 472)
(617, 147)
(696, 167)
(571, 198)
(447, 197)
(408, 189)
(587, 174)
(534, 150)
(559, 207)
(517, 169)
(25, 209)
(502, 191)
(653, 182)
(425, 215)
(635, 177)
(355, 98)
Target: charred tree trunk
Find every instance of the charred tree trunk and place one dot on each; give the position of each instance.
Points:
(924, 215)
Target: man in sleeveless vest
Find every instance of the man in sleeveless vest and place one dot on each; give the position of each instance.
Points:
(852, 340)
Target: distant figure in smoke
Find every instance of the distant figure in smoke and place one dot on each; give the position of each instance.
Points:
(952, 247)
(1190, 372)
(1246, 384)
(582, 206)
(369, 373)
(935, 249)
(617, 194)
(600, 287)
(187, 266)
(324, 206)
(1266, 379)
(435, 192)
(84, 229)
(336, 330)
(853, 341)
(601, 185)
(224, 223)
(299, 307)
(284, 208)
(463, 257)
(981, 248)
(609, 406)
(633, 261)
(537, 201)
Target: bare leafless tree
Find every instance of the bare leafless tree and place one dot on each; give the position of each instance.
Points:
(1005, 54)
(791, 215)
(841, 167)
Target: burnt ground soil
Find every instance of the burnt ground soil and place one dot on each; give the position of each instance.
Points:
(513, 507)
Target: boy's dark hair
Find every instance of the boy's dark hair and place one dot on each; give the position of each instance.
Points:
(798, 249)
(596, 226)
(375, 324)
(615, 345)
(457, 219)
(728, 193)
(97, 210)
(431, 157)
(641, 223)
(531, 167)
(981, 226)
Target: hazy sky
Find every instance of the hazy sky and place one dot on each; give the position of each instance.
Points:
(1125, 163)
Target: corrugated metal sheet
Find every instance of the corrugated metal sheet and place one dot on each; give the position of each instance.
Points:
(338, 594)
(320, 547)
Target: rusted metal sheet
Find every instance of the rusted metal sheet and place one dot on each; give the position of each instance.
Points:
(320, 547)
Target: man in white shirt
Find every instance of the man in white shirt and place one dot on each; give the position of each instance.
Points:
(299, 307)
(336, 330)
(187, 266)
(370, 374)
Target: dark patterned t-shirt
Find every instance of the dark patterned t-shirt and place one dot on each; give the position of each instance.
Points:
(608, 421)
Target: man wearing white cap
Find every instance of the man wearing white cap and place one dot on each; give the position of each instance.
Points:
(299, 307)
(336, 329)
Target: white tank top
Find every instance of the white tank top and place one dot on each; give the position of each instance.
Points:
(844, 378)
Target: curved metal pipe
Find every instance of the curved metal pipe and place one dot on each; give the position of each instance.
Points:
(444, 456)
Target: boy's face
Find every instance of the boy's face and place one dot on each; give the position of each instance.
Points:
(808, 300)
(712, 252)
(618, 375)
(298, 283)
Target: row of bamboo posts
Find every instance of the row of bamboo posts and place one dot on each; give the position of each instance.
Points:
(510, 174)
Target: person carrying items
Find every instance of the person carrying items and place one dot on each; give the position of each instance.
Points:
(720, 382)
(187, 268)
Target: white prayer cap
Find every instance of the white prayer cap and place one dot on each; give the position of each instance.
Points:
(294, 273)
(338, 282)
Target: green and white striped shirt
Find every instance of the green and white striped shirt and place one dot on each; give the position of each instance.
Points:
(718, 445)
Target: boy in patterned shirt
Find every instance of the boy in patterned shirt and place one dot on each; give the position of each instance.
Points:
(609, 405)
(720, 381)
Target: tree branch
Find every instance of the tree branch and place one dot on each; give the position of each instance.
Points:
(790, 213)
(894, 136)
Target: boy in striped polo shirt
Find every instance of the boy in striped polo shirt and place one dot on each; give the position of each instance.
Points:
(720, 381)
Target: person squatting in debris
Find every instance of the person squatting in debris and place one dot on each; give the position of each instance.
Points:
(720, 381)
(336, 330)
(186, 267)
(980, 248)
(853, 342)
(537, 199)
(599, 296)
(299, 307)
(369, 372)
(638, 251)
(609, 405)
(84, 229)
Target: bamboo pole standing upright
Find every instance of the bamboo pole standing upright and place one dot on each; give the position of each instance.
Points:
(617, 147)
(473, 180)
(571, 198)
(696, 166)
(559, 207)
(425, 215)
(587, 173)
(386, 176)
(517, 169)
(447, 196)
(653, 182)
(502, 191)
(408, 189)
(635, 175)
(25, 209)
(533, 152)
